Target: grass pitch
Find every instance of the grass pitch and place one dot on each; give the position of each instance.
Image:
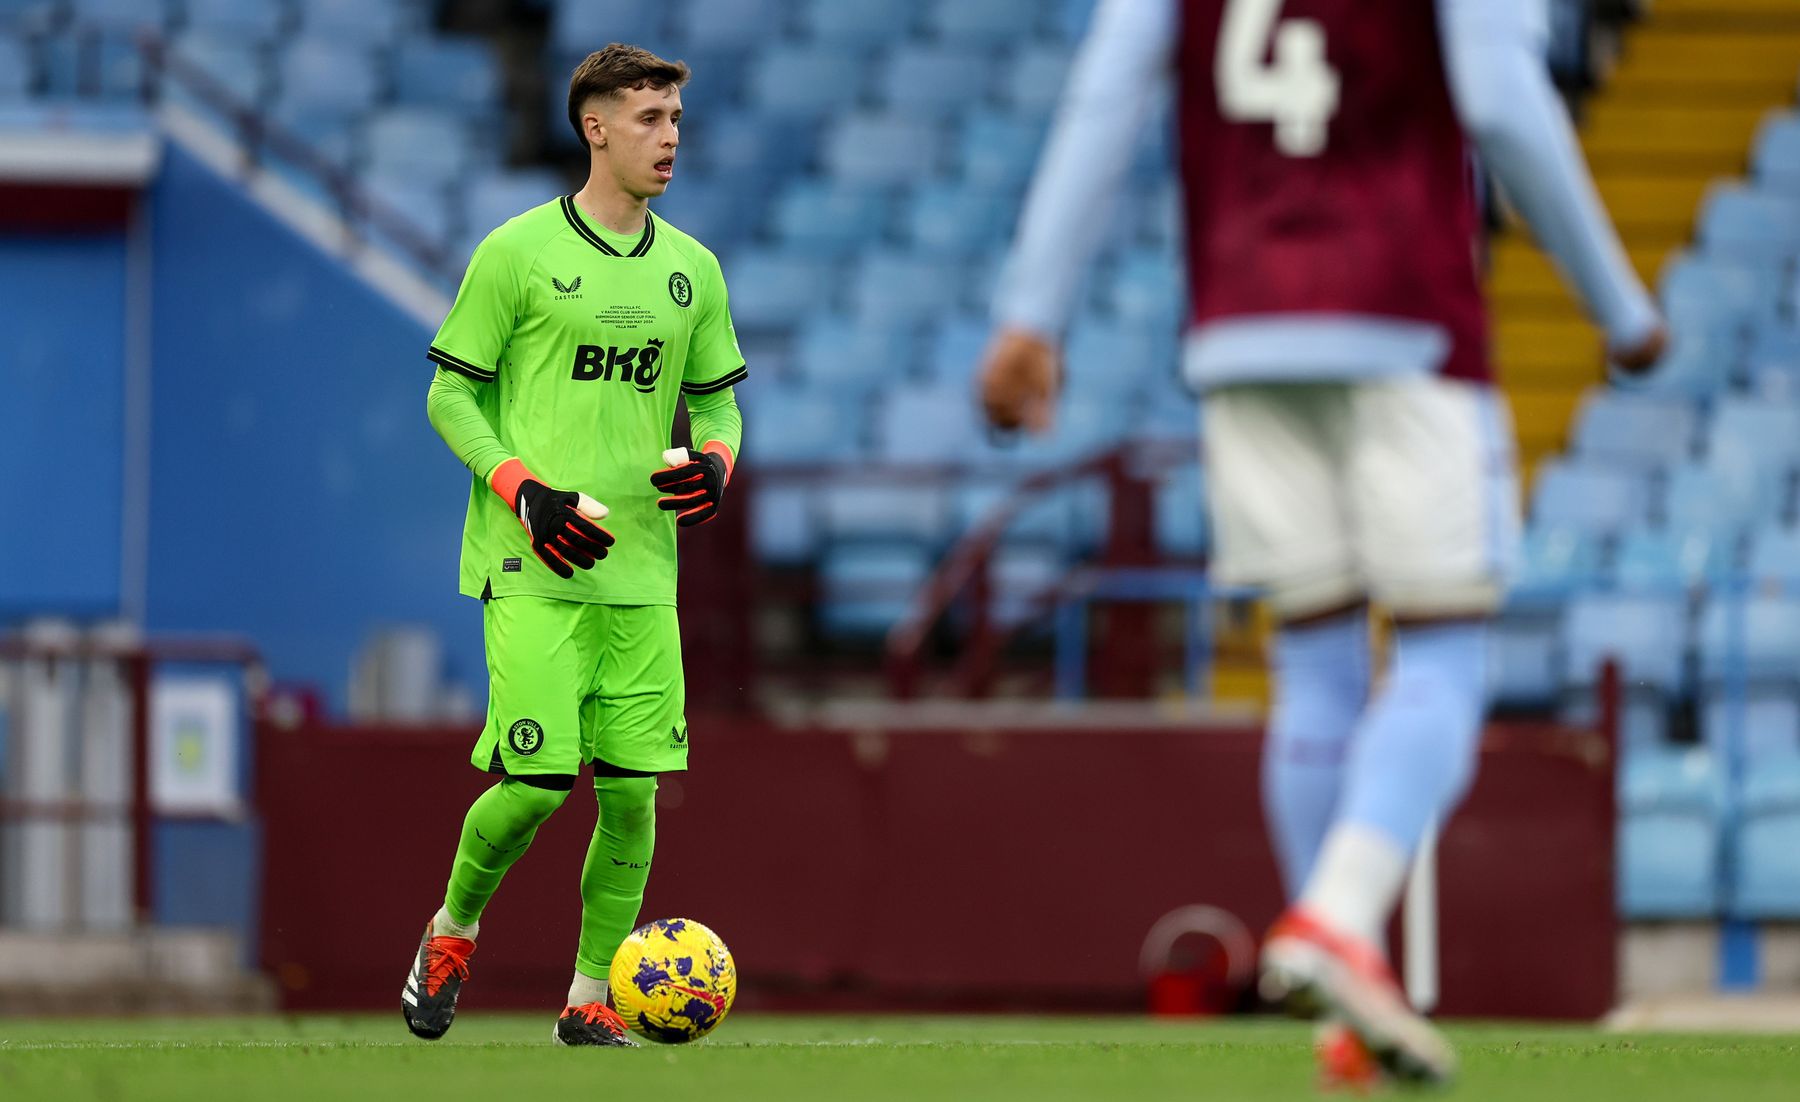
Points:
(509, 1058)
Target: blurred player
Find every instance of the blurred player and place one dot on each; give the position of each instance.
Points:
(578, 325)
(1354, 446)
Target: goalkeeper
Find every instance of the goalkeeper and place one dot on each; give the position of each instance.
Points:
(578, 326)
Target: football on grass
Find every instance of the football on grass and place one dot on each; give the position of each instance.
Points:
(673, 981)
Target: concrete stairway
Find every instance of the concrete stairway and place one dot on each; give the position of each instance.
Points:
(1678, 112)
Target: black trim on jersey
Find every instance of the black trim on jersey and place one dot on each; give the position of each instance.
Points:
(718, 384)
(587, 234)
(459, 365)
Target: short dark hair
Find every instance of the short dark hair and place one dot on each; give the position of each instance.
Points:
(616, 68)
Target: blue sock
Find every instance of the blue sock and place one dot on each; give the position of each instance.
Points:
(1414, 752)
(1321, 687)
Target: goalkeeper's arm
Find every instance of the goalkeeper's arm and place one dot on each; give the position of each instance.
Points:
(456, 415)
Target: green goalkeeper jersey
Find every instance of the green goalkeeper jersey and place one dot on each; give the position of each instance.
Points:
(585, 339)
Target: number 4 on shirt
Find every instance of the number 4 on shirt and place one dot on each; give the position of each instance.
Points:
(1296, 89)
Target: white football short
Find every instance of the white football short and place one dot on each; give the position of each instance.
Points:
(1401, 489)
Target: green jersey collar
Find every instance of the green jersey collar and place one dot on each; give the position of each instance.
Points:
(597, 235)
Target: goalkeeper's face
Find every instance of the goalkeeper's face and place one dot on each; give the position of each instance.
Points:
(642, 128)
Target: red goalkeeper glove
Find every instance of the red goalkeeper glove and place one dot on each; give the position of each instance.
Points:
(693, 482)
(560, 523)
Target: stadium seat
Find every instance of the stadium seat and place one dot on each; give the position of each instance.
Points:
(998, 150)
(774, 288)
(881, 148)
(29, 17)
(17, 70)
(1667, 560)
(952, 349)
(867, 589)
(784, 522)
(1147, 288)
(433, 146)
(1640, 430)
(1671, 806)
(710, 210)
(728, 22)
(1523, 642)
(1590, 497)
(1050, 518)
(865, 23)
(1713, 293)
(251, 21)
(235, 68)
(928, 424)
(1772, 362)
(1181, 514)
(579, 27)
(1768, 433)
(452, 72)
(327, 136)
(1555, 562)
(734, 145)
(1071, 17)
(1777, 151)
(417, 205)
(118, 15)
(843, 355)
(1034, 81)
(1647, 636)
(1724, 494)
(829, 218)
(103, 64)
(1765, 846)
(368, 23)
(893, 511)
(933, 80)
(1084, 426)
(992, 23)
(491, 198)
(1750, 666)
(807, 79)
(325, 75)
(1023, 579)
(798, 425)
(900, 286)
(1746, 224)
(952, 217)
(1773, 562)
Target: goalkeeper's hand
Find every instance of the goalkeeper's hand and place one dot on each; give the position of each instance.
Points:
(693, 482)
(559, 522)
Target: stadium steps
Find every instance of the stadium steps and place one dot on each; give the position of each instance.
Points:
(1692, 82)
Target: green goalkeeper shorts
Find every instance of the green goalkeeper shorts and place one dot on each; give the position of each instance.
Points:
(570, 683)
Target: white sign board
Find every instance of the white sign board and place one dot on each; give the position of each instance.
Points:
(194, 746)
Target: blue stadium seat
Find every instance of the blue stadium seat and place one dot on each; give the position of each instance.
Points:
(1623, 428)
(1071, 17)
(367, 23)
(807, 79)
(324, 75)
(829, 218)
(953, 347)
(492, 198)
(843, 355)
(423, 206)
(1711, 293)
(882, 149)
(1110, 356)
(239, 69)
(17, 69)
(436, 147)
(453, 72)
(785, 424)
(866, 22)
(328, 136)
(1052, 518)
(784, 522)
(1085, 424)
(930, 424)
(254, 21)
(1646, 634)
(1146, 288)
(729, 22)
(1671, 807)
(1725, 494)
(1772, 362)
(1024, 579)
(1766, 845)
(773, 288)
(709, 209)
(1033, 82)
(992, 23)
(896, 286)
(1181, 514)
(1664, 560)
(1774, 559)
(1750, 663)
(29, 17)
(1767, 432)
(893, 511)
(122, 15)
(1555, 562)
(104, 64)
(998, 150)
(1745, 224)
(734, 145)
(933, 80)
(868, 588)
(957, 218)
(1777, 151)
(579, 27)
(1588, 496)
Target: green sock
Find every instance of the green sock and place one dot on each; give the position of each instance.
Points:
(500, 824)
(616, 870)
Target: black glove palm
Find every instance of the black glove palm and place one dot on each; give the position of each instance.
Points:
(566, 540)
(694, 489)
